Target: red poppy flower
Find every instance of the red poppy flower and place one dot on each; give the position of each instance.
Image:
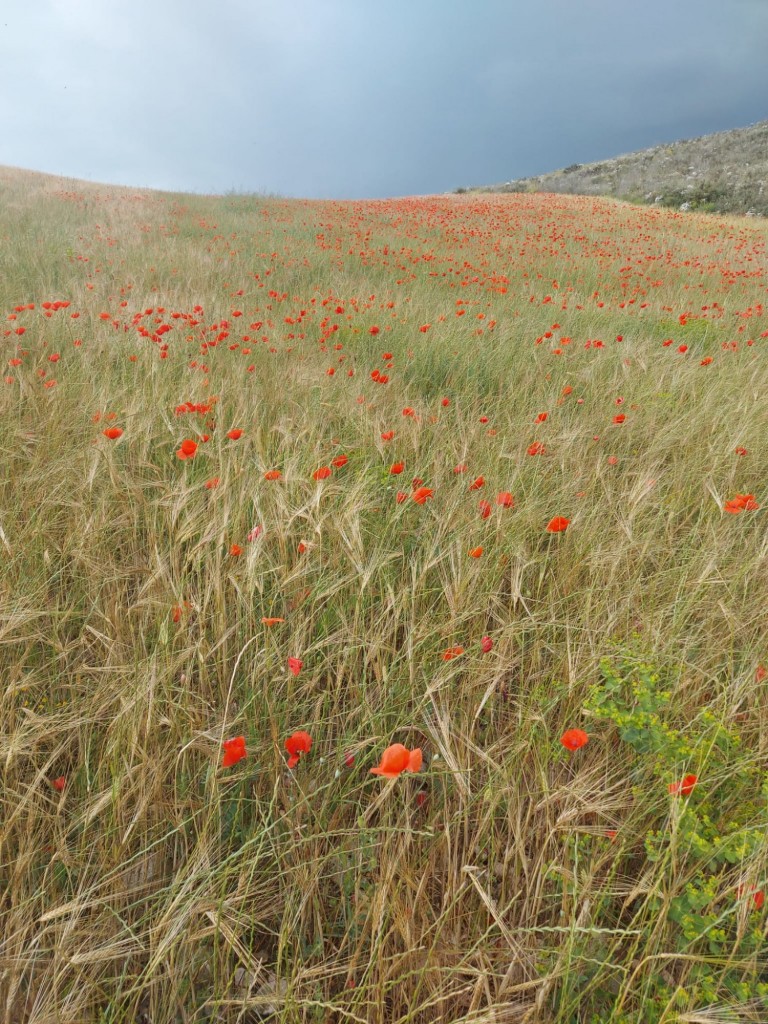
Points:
(572, 739)
(477, 483)
(422, 494)
(758, 896)
(187, 449)
(234, 751)
(235, 550)
(213, 482)
(396, 468)
(685, 787)
(113, 433)
(541, 418)
(298, 743)
(485, 508)
(234, 434)
(445, 402)
(505, 499)
(272, 474)
(741, 503)
(400, 497)
(476, 552)
(271, 620)
(740, 450)
(558, 524)
(619, 418)
(537, 448)
(322, 474)
(452, 652)
(339, 461)
(398, 759)
(486, 644)
(761, 672)
(388, 435)
(295, 665)
(59, 783)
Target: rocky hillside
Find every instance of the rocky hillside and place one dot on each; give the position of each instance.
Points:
(722, 173)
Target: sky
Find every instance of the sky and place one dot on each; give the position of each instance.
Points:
(348, 99)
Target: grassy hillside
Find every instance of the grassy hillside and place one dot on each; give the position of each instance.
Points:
(285, 484)
(722, 173)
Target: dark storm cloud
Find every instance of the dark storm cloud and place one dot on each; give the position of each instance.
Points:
(343, 98)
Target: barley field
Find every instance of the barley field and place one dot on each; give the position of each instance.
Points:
(468, 490)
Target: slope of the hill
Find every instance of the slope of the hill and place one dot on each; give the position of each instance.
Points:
(722, 173)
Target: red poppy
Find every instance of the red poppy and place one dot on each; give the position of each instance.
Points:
(685, 787)
(572, 739)
(271, 620)
(295, 665)
(213, 482)
(422, 494)
(477, 483)
(741, 503)
(235, 434)
(619, 418)
(558, 524)
(339, 461)
(452, 652)
(400, 497)
(541, 418)
(322, 474)
(537, 448)
(485, 508)
(234, 751)
(298, 743)
(740, 450)
(388, 435)
(398, 759)
(445, 402)
(475, 552)
(486, 644)
(396, 468)
(758, 896)
(235, 550)
(59, 783)
(272, 474)
(761, 672)
(113, 433)
(505, 499)
(187, 449)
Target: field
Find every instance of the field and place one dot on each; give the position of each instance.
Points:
(288, 481)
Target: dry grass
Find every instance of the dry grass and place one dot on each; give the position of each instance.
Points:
(159, 886)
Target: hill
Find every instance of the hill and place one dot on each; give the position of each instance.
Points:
(726, 172)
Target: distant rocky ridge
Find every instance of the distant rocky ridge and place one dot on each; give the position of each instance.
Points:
(726, 172)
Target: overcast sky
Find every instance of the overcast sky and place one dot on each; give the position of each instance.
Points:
(351, 98)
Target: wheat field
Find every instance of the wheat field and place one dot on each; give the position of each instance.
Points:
(289, 480)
